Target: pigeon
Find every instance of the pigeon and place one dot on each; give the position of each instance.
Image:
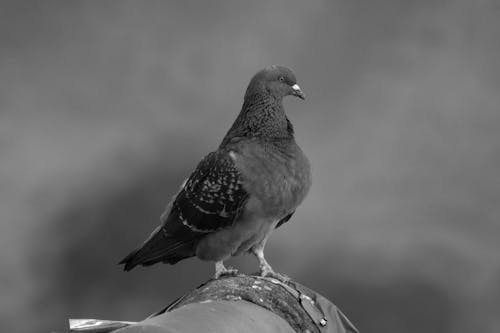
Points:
(240, 193)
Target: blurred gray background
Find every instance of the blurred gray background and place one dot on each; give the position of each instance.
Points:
(106, 106)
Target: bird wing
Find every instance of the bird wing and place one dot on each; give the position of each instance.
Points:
(212, 197)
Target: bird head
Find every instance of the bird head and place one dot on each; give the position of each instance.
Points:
(277, 81)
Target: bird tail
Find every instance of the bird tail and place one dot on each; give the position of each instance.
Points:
(160, 246)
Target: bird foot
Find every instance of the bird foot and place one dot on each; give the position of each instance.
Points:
(267, 271)
(227, 271)
(221, 270)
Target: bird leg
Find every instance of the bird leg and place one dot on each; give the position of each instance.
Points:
(265, 269)
(221, 270)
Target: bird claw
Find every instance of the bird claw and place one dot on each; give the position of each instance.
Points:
(229, 271)
(267, 271)
(281, 277)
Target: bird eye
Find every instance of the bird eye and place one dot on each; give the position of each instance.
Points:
(281, 79)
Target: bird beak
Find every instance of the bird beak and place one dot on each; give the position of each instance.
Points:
(297, 92)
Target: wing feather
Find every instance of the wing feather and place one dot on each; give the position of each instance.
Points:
(212, 197)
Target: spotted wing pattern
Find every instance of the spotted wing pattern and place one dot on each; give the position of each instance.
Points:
(213, 196)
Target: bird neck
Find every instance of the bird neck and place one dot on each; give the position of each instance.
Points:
(262, 116)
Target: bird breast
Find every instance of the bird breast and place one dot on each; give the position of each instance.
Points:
(275, 173)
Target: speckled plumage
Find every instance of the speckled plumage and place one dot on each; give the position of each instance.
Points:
(238, 194)
(212, 196)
